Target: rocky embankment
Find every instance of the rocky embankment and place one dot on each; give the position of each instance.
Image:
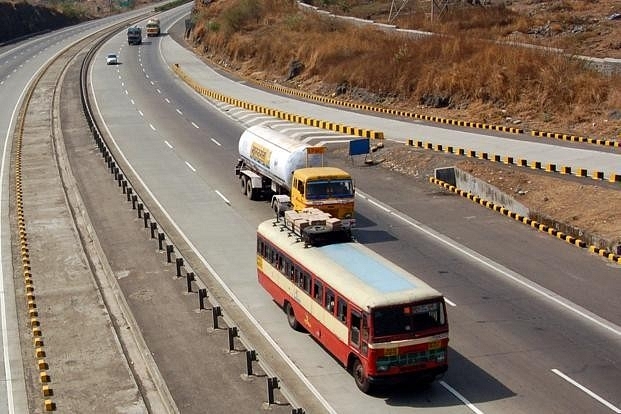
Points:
(22, 19)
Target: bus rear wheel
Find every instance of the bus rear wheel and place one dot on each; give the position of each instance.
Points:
(293, 322)
(360, 377)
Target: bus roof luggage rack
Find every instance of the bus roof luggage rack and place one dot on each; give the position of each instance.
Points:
(315, 227)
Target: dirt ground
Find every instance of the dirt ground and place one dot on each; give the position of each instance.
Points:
(582, 203)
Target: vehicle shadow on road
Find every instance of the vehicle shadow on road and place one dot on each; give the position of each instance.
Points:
(463, 377)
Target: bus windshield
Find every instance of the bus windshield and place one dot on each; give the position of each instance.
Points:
(322, 189)
(409, 319)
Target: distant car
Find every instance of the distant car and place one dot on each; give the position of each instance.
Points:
(111, 59)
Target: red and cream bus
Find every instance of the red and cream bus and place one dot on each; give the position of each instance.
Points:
(381, 322)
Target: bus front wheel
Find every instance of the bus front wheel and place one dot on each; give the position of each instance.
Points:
(362, 381)
(293, 322)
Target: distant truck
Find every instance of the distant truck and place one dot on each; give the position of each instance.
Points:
(153, 27)
(292, 172)
(134, 35)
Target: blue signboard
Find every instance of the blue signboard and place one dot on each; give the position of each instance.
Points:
(359, 146)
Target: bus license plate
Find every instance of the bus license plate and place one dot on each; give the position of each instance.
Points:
(434, 345)
(391, 352)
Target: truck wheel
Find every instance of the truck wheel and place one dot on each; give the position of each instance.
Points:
(243, 184)
(249, 190)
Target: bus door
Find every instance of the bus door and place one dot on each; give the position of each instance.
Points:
(359, 331)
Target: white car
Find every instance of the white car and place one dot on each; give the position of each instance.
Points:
(111, 59)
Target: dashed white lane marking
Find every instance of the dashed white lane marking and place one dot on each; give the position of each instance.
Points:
(587, 391)
(223, 197)
(168, 144)
(167, 100)
(451, 303)
(140, 112)
(461, 398)
(179, 111)
(194, 125)
(152, 127)
(190, 166)
(216, 142)
(158, 91)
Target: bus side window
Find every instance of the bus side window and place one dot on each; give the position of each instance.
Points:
(290, 269)
(317, 291)
(356, 320)
(300, 186)
(297, 275)
(306, 282)
(329, 305)
(341, 310)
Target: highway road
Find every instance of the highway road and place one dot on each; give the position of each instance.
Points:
(19, 64)
(535, 323)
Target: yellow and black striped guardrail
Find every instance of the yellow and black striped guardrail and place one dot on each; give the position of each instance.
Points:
(528, 221)
(29, 288)
(332, 126)
(390, 111)
(509, 160)
(575, 138)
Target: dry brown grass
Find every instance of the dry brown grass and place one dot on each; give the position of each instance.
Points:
(541, 88)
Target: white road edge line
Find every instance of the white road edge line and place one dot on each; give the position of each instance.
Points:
(586, 390)
(216, 142)
(460, 397)
(190, 166)
(376, 204)
(223, 197)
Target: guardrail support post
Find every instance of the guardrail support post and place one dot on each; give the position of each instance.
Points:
(202, 295)
(169, 252)
(179, 262)
(189, 278)
(216, 311)
(134, 199)
(298, 410)
(233, 333)
(140, 207)
(153, 228)
(251, 355)
(146, 217)
(272, 383)
(124, 190)
(160, 241)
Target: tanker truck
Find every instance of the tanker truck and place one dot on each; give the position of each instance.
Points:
(292, 173)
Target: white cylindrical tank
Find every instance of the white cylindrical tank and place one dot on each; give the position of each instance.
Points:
(272, 153)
